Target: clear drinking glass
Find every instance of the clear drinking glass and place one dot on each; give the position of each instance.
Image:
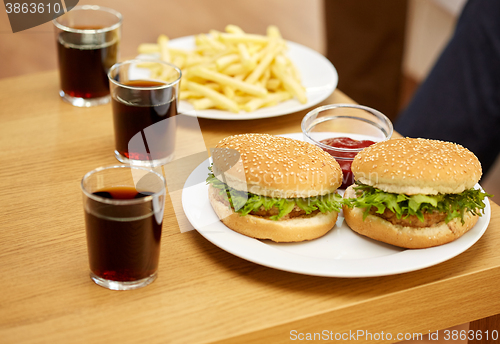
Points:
(88, 39)
(144, 100)
(124, 208)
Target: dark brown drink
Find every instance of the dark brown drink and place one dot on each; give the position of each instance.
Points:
(84, 62)
(144, 126)
(123, 240)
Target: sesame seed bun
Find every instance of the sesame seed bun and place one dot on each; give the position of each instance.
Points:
(290, 230)
(275, 166)
(379, 229)
(417, 166)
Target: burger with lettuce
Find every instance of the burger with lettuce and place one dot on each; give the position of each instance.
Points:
(414, 193)
(271, 187)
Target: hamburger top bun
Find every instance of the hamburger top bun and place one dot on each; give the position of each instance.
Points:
(417, 166)
(275, 166)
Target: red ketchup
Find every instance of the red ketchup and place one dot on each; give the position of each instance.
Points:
(345, 158)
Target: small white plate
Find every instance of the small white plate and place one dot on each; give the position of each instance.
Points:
(340, 253)
(318, 75)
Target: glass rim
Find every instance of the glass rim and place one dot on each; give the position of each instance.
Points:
(379, 115)
(122, 201)
(90, 31)
(166, 85)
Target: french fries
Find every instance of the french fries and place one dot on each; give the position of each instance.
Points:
(233, 70)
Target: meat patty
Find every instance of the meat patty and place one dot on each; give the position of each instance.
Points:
(430, 219)
(296, 211)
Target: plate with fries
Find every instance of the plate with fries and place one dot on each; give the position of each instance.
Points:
(234, 75)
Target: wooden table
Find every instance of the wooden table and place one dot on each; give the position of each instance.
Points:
(202, 294)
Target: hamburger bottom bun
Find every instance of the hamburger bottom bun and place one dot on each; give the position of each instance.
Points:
(292, 230)
(403, 236)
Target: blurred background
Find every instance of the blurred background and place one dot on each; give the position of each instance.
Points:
(382, 49)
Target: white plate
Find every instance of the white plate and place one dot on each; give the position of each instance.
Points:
(340, 253)
(318, 75)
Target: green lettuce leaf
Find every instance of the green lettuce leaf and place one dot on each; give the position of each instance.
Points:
(454, 205)
(246, 202)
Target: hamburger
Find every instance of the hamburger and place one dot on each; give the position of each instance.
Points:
(277, 188)
(414, 193)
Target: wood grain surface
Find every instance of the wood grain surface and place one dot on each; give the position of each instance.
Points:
(203, 294)
(485, 331)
